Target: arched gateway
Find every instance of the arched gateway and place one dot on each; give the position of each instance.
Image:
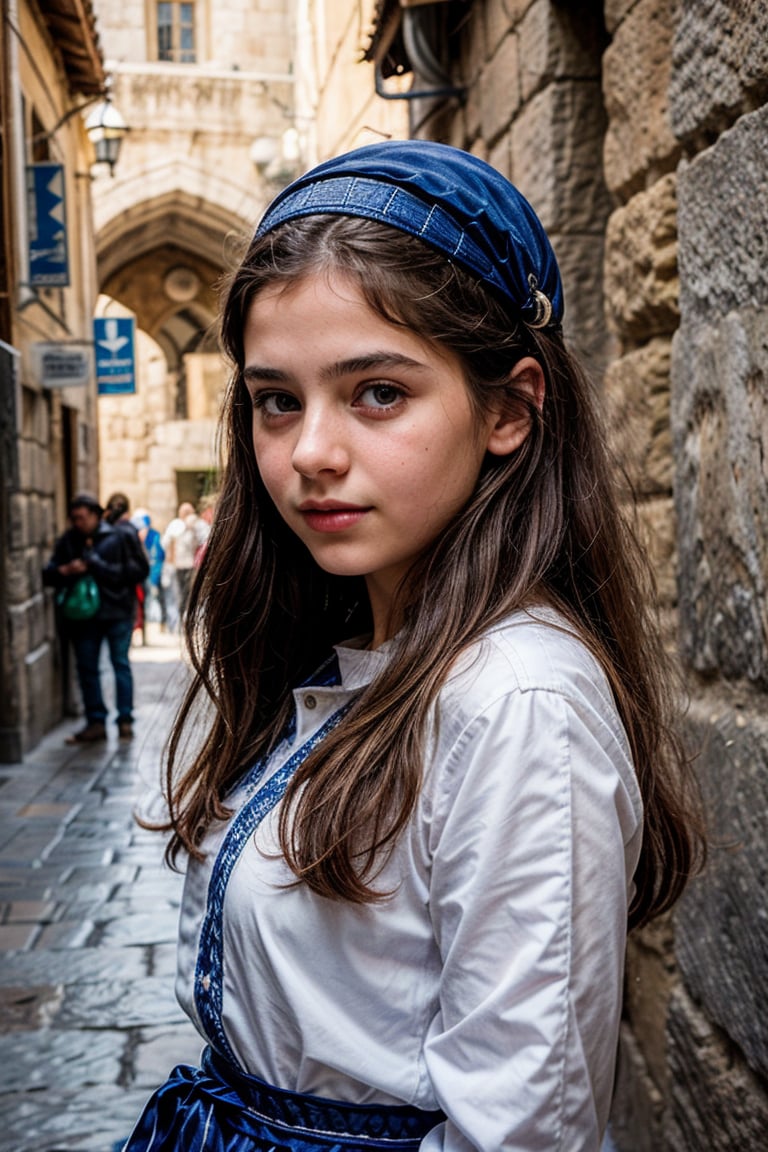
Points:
(162, 258)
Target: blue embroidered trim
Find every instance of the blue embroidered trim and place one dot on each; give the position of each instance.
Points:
(326, 676)
(208, 989)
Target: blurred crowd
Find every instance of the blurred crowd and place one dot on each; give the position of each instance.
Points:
(113, 572)
(173, 555)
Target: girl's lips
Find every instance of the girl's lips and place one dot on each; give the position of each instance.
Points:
(333, 519)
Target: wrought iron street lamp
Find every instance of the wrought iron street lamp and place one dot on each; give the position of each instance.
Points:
(106, 130)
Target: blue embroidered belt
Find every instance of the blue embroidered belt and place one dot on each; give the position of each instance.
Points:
(216, 1108)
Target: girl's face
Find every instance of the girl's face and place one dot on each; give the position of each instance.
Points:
(364, 433)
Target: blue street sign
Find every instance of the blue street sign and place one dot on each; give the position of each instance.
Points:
(115, 363)
(46, 207)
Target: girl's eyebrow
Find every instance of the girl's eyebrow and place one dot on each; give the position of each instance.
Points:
(378, 361)
(371, 360)
(257, 373)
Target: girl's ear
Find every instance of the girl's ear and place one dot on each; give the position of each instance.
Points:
(507, 432)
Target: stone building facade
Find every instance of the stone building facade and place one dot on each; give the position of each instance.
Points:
(639, 130)
(207, 91)
(51, 66)
(337, 105)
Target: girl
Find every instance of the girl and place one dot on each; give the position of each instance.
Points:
(439, 777)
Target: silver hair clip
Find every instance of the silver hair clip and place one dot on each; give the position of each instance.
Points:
(543, 305)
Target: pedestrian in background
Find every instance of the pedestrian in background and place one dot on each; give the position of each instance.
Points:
(154, 591)
(181, 540)
(118, 514)
(205, 522)
(93, 548)
(442, 774)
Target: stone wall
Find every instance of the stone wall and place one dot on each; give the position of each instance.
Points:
(717, 1033)
(50, 443)
(209, 145)
(639, 130)
(665, 175)
(336, 102)
(685, 157)
(231, 35)
(533, 108)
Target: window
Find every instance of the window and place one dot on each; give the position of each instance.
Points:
(40, 141)
(176, 31)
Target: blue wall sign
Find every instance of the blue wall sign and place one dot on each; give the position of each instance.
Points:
(46, 208)
(115, 362)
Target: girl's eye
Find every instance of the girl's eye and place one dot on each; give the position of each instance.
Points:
(380, 396)
(276, 403)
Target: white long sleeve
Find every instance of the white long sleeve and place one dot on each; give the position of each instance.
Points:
(490, 983)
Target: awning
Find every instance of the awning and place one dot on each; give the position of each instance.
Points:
(72, 25)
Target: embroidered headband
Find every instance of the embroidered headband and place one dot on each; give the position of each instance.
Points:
(452, 200)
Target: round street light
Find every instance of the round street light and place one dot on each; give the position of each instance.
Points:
(106, 129)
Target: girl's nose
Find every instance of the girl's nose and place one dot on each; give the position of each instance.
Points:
(320, 446)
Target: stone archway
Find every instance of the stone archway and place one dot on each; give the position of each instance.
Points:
(162, 260)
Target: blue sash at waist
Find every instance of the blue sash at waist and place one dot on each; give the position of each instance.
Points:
(216, 1108)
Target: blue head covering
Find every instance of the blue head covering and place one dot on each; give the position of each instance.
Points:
(450, 199)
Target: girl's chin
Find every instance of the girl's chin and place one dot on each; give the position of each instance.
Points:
(338, 569)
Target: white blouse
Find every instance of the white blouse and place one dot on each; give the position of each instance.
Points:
(489, 984)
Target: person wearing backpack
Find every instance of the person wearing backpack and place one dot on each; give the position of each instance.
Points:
(96, 574)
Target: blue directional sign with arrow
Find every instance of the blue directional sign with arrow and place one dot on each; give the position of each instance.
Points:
(115, 361)
(48, 256)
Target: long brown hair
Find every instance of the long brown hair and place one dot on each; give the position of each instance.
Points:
(542, 527)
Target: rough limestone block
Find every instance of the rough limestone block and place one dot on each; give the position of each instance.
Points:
(637, 406)
(641, 282)
(720, 430)
(498, 17)
(719, 64)
(41, 465)
(472, 54)
(656, 529)
(557, 43)
(500, 90)
(37, 424)
(723, 221)
(500, 157)
(34, 515)
(637, 1103)
(580, 257)
(18, 587)
(615, 11)
(649, 981)
(716, 1103)
(722, 920)
(479, 149)
(496, 12)
(17, 520)
(25, 464)
(636, 68)
(18, 631)
(557, 146)
(36, 624)
(473, 111)
(48, 529)
(34, 560)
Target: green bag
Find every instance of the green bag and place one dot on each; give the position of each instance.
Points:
(81, 600)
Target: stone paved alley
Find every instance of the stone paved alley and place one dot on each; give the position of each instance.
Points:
(88, 916)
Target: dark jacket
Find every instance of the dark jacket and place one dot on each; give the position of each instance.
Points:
(116, 560)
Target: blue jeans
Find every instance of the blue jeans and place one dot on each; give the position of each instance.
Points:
(87, 638)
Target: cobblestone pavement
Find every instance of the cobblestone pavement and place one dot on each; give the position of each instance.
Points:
(88, 917)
